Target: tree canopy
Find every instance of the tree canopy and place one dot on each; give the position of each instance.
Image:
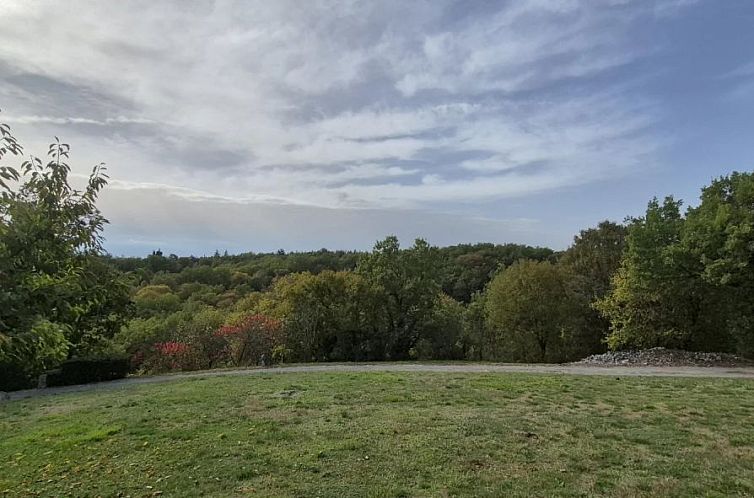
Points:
(58, 297)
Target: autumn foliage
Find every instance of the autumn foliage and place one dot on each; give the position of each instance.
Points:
(252, 340)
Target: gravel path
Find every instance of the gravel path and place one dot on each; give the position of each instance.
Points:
(568, 369)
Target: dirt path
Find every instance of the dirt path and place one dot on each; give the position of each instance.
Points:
(568, 369)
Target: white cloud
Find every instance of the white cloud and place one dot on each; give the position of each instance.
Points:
(334, 104)
(73, 120)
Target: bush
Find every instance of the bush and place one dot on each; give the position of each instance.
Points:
(256, 338)
(12, 378)
(84, 371)
(163, 356)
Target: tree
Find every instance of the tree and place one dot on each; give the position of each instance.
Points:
(719, 235)
(440, 337)
(477, 341)
(58, 297)
(533, 312)
(156, 300)
(408, 284)
(595, 255)
(252, 339)
(329, 316)
(658, 297)
(593, 259)
(468, 268)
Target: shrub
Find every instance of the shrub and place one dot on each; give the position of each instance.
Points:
(170, 355)
(255, 338)
(12, 378)
(86, 370)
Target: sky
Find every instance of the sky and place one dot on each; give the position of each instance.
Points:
(253, 126)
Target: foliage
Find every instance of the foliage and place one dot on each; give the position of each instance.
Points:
(658, 297)
(534, 313)
(595, 255)
(40, 347)
(253, 340)
(156, 299)
(441, 335)
(407, 284)
(329, 316)
(478, 341)
(170, 355)
(468, 268)
(58, 298)
(592, 260)
(329, 311)
(719, 234)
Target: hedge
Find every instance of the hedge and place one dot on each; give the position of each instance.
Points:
(13, 378)
(84, 371)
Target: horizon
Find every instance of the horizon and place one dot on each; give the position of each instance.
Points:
(222, 254)
(253, 127)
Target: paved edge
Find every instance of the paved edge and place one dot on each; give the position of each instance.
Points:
(560, 369)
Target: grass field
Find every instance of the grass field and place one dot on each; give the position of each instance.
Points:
(385, 434)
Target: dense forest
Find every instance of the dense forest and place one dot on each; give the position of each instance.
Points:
(671, 277)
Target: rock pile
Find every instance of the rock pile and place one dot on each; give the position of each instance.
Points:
(661, 357)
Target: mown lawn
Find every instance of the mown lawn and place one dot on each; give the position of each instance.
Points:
(385, 434)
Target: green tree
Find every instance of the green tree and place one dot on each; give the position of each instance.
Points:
(468, 268)
(477, 342)
(408, 284)
(329, 316)
(156, 300)
(719, 235)
(596, 255)
(441, 336)
(58, 297)
(593, 259)
(533, 312)
(658, 297)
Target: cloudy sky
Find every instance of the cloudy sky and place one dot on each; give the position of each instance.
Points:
(307, 124)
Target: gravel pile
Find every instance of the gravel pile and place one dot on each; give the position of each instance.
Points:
(661, 357)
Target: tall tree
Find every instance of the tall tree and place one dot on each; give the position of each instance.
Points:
(593, 260)
(596, 255)
(58, 297)
(658, 298)
(719, 236)
(408, 283)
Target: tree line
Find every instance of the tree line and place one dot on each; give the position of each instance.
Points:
(671, 277)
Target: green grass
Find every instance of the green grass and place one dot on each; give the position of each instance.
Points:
(385, 434)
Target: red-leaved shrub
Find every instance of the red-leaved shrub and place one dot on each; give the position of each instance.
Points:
(253, 339)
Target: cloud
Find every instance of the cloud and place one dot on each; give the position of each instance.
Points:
(346, 105)
(73, 120)
(183, 226)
